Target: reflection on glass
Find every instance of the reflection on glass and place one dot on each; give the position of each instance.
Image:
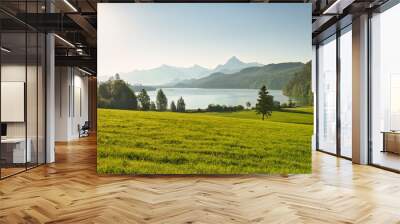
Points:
(395, 102)
(346, 94)
(41, 98)
(327, 96)
(31, 100)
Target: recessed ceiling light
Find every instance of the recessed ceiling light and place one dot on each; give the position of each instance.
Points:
(84, 71)
(70, 5)
(64, 40)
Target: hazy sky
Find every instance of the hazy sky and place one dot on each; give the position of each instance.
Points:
(143, 36)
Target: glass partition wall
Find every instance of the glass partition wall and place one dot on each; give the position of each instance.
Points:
(22, 78)
(327, 95)
(13, 86)
(385, 89)
(334, 94)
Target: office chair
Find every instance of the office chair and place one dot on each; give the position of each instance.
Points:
(84, 130)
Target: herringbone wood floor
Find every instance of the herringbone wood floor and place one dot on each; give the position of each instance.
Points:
(70, 191)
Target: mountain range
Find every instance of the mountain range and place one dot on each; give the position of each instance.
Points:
(274, 76)
(172, 75)
(234, 65)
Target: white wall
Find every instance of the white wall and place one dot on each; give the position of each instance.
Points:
(12, 73)
(13, 101)
(16, 73)
(62, 82)
(71, 102)
(80, 104)
(33, 126)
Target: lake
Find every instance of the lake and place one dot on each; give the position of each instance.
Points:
(200, 98)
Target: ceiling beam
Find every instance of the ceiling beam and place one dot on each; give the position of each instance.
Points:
(78, 61)
(338, 6)
(84, 24)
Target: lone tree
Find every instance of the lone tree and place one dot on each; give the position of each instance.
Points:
(173, 106)
(180, 107)
(265, 103)
(144, 100)
(152, 106)
(161, 101)
(248, 104)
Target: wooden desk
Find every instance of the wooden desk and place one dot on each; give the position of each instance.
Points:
(391, 141)
(13, 150)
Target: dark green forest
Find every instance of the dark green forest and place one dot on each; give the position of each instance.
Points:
(116, 94)
(299, 87)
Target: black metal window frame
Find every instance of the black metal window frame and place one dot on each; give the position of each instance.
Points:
(387, 5)
(339, 32)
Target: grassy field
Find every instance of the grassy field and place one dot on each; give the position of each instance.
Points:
(293, 116)
(306, 110)
(136, 142)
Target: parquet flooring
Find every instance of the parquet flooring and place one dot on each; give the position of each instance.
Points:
(70, 191)
(8, 171)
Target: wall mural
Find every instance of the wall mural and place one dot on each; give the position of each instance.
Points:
(204, 89)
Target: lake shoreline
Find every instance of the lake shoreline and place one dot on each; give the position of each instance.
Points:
(200, 98)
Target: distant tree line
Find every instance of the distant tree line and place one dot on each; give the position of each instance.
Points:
(264, 106)
(289, 104)
(224, 108)
(117, 94)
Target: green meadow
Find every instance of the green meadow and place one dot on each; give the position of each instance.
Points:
(145, 142)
